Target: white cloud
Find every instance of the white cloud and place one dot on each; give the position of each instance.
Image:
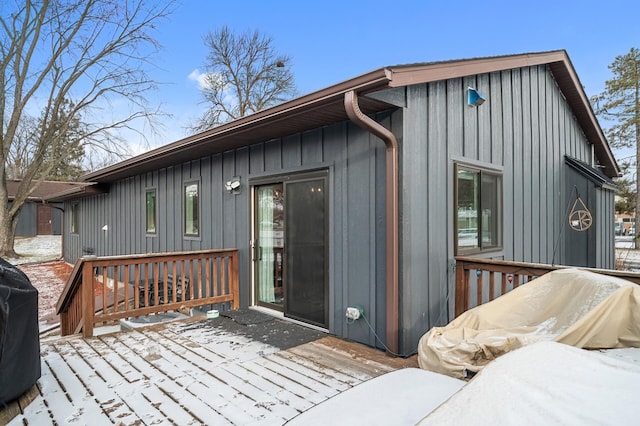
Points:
(202, 79)
(208, 80)
(199, 77)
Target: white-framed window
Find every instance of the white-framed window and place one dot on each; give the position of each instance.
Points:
(478, 220)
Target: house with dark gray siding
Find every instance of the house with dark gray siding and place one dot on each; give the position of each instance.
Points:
(362, 194)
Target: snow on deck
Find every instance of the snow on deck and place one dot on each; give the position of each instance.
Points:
(176, 374)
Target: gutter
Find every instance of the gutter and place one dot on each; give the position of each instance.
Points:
(80, 190)
(392, 206)
(250, 124)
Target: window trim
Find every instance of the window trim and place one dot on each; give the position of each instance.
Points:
(499, 191)
(184, 208)
(154, 232)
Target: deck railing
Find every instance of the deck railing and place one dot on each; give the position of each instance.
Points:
(481, 280)
(138, 285)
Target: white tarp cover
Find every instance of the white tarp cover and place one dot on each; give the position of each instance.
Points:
(576, 307)
(543, 384)
(401, 397)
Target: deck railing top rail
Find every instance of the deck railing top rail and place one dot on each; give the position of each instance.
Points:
(493, 278)
(75, 278)
(101, 260)
(506, 265)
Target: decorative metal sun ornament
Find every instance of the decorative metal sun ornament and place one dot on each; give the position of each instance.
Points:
(580, 217)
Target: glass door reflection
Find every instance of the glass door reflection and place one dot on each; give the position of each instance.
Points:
(269, 244)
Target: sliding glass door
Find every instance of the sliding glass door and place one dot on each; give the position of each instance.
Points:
(291, 246)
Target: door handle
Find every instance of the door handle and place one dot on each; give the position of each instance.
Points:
(256, 251)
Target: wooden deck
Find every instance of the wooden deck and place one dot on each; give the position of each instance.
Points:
(178, 373)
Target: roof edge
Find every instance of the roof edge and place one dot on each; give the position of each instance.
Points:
(83, 190)
(404, 75)
(591, 173)
(587, 118)
(379, 79)
(363, 84)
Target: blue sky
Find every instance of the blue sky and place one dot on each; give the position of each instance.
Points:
(330, 41)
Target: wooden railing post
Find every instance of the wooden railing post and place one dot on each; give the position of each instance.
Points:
(462, 288)
(233, 278)
(88, 300)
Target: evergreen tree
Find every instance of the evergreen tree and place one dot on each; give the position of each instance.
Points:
(63, 158)
(619, 104)
(626, 202)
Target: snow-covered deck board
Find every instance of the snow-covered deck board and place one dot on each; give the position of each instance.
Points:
(164, 375)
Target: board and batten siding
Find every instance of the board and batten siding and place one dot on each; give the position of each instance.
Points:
(605, 202)
(524, 129)
(27, 220)
(586, 248)
(356, 163)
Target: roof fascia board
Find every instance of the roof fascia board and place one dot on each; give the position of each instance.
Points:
(83, 190)
(404, 76)
(362, 84)
(591, 118)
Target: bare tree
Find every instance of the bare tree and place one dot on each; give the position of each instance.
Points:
(243, 75)
(21, 149)
(60, 59)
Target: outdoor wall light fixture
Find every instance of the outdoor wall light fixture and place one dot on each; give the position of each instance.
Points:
(474, 97)
(233, 186)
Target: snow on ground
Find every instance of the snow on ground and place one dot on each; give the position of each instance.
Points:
(39, 261)
(49, 279)
(42, 248)
(626, 255)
